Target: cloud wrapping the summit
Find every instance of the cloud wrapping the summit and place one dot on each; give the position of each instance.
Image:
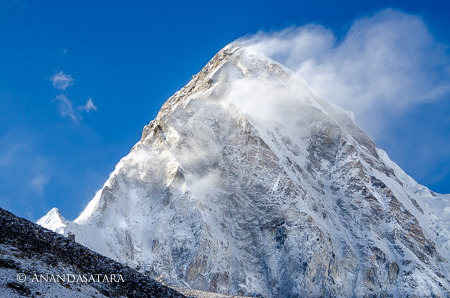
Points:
(383, 65)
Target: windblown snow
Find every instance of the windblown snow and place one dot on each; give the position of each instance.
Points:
(248, 183)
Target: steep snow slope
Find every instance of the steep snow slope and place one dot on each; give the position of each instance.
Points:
(247, 182)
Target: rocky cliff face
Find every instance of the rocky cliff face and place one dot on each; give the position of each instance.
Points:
(247, 182)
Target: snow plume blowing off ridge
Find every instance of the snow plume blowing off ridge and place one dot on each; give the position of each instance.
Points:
(384, 65)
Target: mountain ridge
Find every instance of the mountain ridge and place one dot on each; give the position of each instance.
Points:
(247, 182)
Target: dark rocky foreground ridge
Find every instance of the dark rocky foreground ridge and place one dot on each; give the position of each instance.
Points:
(27, 248)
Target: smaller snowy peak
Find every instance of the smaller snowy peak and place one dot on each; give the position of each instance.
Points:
(54, 221)
(90, 237)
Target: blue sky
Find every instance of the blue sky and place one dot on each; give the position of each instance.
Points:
(80, 79)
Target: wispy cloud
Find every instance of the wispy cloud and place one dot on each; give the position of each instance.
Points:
(38, 183)
(384, 65)
(388, 69)
(24, 171)
(65, 107)
(7, 156)
(62, 81)
(89, 106)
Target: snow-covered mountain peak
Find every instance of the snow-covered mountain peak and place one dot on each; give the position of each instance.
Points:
(53, 220)
(231, 64)
(248, 182)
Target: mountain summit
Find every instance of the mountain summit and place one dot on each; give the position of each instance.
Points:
(248, 183)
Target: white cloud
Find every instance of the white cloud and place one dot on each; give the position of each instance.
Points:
(61, 81)
(384, 65)
(89, 106)
(38, 183)
(65, 107)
